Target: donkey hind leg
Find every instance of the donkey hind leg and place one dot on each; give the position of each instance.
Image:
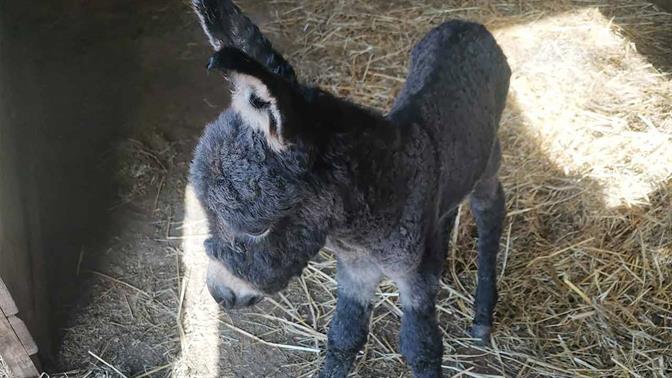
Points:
(349, 328)
(489, 209)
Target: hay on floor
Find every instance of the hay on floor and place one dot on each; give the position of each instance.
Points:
(4, 369)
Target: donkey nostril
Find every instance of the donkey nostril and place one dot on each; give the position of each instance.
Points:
(252, 300)
(224, 296)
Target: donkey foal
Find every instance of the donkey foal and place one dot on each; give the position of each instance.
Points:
(289, 168)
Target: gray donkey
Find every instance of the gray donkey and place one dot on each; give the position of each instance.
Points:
(288, 169)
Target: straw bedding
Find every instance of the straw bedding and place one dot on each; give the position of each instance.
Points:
(4, 370)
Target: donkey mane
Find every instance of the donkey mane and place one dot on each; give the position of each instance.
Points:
(322, 116)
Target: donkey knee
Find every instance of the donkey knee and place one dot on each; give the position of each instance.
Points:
(349, 328)
(488, 204)
(348, 332)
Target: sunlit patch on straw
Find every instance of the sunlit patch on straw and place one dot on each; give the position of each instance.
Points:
(596, 106)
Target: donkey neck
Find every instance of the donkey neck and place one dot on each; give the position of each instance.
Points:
(377, 175)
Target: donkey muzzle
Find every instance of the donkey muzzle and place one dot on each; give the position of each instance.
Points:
(228, 290)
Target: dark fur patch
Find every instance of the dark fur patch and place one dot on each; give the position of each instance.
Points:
(258, 103)
(273, 125)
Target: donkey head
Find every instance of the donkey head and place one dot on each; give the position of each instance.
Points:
(252, 171)
(261, 170)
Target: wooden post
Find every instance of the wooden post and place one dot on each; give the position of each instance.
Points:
(16, 344)
(23, 256)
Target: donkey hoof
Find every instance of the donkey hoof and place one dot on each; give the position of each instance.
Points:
(481, 333)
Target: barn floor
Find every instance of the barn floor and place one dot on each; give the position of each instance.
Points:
(139, 308)
(125, 307)
(124, 310)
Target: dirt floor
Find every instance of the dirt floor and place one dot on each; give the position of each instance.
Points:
(125, 308)
(140, 308)
(125, 311)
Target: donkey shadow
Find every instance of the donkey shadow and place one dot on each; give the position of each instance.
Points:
(652, 41)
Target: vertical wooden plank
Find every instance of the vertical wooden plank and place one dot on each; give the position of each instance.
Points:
(21, 245)
(14, 256)
(13, 352)
(7, 304)
(23, 334)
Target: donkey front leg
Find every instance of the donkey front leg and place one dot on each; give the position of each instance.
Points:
(489, 208)
(349, 328)
(420, 336)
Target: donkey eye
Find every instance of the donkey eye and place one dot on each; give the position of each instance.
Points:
(273, 125)
(258, 103)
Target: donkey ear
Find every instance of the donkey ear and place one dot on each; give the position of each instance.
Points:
(264, 100)
(226, 25)
(234, 60)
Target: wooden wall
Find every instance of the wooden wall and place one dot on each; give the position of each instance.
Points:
(16, 343)
(21, 266)
(67, 90)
